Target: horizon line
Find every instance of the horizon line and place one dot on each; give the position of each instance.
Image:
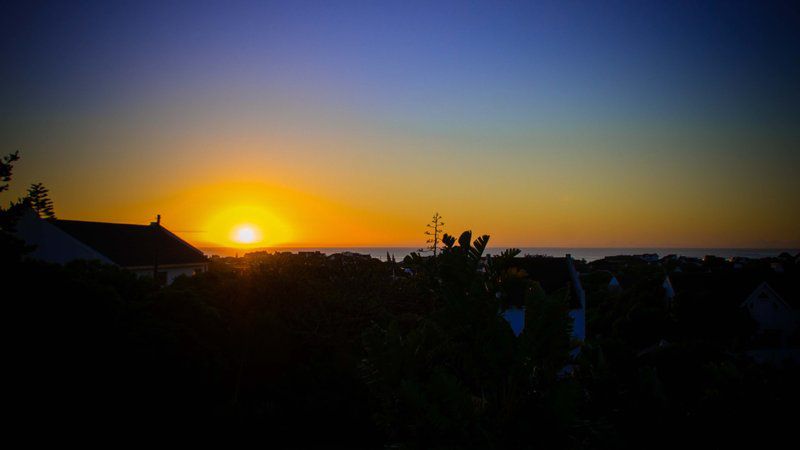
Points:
(504, 247)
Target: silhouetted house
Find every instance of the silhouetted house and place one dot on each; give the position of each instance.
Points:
(619, 264)
(147, 250)
(613, 284)
(350, 256)
(691, 260)
(776, 320)
(553, 275)
(669, 290)
(770, 300)
(578, 314)
(600, 280)
(649, 257)
(515, 316)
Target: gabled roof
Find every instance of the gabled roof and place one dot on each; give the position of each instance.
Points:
(765, 290)
(736, 287)
(552, 273)
(132, 245)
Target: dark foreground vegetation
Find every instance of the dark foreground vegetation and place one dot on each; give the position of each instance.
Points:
(309, 350)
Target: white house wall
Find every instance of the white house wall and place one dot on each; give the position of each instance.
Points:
(172, 272)
(770, 311)
(578, 315)
(51, 243)
(178, 271)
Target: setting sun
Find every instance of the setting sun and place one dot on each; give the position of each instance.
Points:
(246, 234)
(247, 227)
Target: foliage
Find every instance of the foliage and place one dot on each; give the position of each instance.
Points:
(11, 248)
(434, 233)
(328, 350)
(39, 200)
(456, 376)
(6, 169)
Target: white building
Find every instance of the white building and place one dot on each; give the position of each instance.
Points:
(774, 318)
(669, 290)
(613, 284)
(148, 250)
(552, 274)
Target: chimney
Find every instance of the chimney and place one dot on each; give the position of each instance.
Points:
(155, 233)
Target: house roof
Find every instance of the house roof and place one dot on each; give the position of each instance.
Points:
(551, 273)
(735, 287)
(132, 245)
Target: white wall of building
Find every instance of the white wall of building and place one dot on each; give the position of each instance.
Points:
(770, 311)
(172, 272)
(51, 244)
(55, 246)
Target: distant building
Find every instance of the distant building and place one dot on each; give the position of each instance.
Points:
(669, 291)
(515, 316)
(552, 274)
(613, 284)
(600, 279)
(350, 256)
(770, 299)
(578, 314)
(649, 257)
(147, 250)
(775, 318)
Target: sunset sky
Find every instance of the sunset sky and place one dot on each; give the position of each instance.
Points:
(350, 123)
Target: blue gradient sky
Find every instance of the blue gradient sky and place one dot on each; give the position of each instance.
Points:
(542, 123)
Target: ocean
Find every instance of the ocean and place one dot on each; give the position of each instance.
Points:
(588, 254)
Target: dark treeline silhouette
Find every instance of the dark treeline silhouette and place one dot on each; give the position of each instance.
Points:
(340, 345)
(362, 356)
(302, 350)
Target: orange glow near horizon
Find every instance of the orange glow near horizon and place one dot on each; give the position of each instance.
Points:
(246, 226)
(252, 215)
(315, 205)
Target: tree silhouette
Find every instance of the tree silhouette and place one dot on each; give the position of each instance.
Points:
(436, 228)
(39, 199)
(6, 167)
(11, 248)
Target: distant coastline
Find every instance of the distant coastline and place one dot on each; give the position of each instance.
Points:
(589, 254)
